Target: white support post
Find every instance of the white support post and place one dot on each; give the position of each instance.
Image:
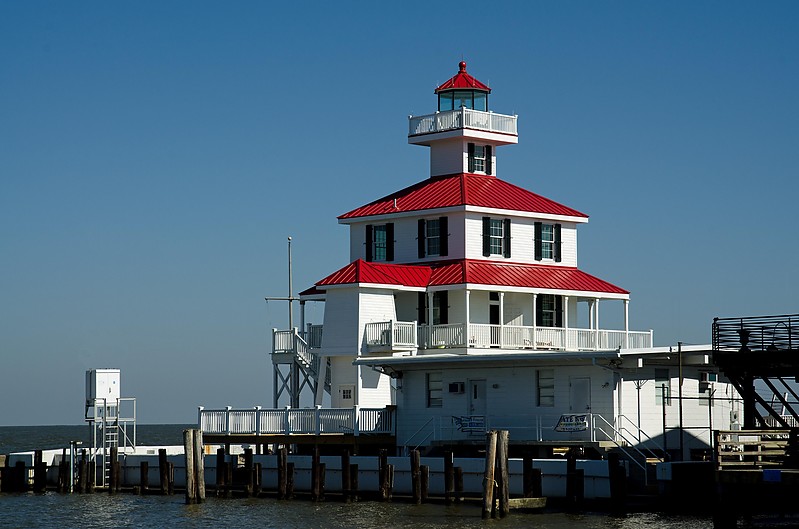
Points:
(227, 419)
(257, 420)
(391, 334)
(318, 419)
(320, 383)
(566, 322)
(468, 329)
(535, 323)
(415, 335)
(626, 323)
(286, 421)
(501, 319)
(430, 312)
(356, 420)
(596, 323)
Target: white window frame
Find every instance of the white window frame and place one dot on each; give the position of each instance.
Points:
(433, 237)
(545, 388)
(479, 158)
(434, 382)
(547, 241)
(496, 242)
(379, 248)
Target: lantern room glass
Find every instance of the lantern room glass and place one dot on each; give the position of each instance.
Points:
(455, 99)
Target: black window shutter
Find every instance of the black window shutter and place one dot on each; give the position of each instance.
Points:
(421, 237)
(422, 317)
(443, 307)
(557, 243)
(537, 242)
(486, 236)
(471, 157)
(390, 241)
(507, 238)
(539, 311)
(368, 243)
(558, 311)
(443, 236)
(488, 160)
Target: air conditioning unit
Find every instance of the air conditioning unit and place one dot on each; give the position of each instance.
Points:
(457, 387)
(706, 376)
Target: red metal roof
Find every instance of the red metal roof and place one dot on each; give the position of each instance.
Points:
(471, 271)
(460, 190)
(379, 273)
(463, 80)
(519, 275)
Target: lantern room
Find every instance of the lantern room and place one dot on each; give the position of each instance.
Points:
(463, 90)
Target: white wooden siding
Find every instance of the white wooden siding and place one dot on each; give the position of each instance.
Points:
(447, 157)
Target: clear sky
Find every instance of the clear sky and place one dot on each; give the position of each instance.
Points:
(154, 156)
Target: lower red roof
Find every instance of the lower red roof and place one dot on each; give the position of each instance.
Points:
(471, 271)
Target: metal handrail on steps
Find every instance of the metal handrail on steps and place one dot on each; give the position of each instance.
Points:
(408, 442)
(630, 457)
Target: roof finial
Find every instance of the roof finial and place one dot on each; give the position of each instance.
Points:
(462, 66)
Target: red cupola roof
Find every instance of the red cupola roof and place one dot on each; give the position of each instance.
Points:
(462, 80)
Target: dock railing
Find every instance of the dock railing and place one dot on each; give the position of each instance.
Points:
(296, 421)
(742, 449)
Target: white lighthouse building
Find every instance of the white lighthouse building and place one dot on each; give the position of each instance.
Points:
(463, 305)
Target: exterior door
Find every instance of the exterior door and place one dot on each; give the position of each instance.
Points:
(477, 397)
(580, 403)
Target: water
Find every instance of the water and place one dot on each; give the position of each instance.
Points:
(128, 511)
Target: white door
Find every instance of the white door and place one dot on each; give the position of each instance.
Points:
(477, 397)
(580, 402)
(346, 395)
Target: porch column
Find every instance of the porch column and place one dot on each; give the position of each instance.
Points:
(591, 314)
(320, 383)
(596, 323)
(626, 323)
(566, 321)
(466, 331)
(302, 321)
(430, 310)
(501, 317)
(535, 301)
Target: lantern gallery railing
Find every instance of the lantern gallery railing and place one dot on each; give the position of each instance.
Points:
(462, 118)
(292, 421)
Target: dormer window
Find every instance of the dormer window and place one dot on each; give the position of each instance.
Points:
(480, 157)
(380, 242)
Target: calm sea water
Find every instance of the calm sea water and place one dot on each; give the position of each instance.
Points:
(128, 511)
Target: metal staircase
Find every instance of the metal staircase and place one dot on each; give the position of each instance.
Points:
(290, 349)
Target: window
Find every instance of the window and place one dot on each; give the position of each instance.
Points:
(479, 158)
(496, 237)
(380, 242)
(545, 386)
(435, 389)
(662, 387)
(346, 394)
(433, 235)
(454, 99)
(440, 307)
(547, 302)
(547, 241)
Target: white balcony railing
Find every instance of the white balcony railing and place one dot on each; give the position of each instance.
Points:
(393, 335)
(462, 118)
(292, 421)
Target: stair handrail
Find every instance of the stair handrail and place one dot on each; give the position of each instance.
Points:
(630, 457)
(408, 441)
(640, 431)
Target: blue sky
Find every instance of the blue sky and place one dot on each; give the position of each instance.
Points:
(155, 156)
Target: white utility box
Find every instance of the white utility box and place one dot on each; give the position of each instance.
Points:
(102, 384)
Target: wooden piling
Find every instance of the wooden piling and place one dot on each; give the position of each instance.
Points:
(458, 484)
(220, 472)
(315, 483)
(20, 477)
(144, 477)
(346, 479)
(249, 485)
(320, 496)
(62, 472)
(389, 482)
(83, 467)
(571, 480)
(382, 473)
(290, 481)
(199, 464)
(416, 477)
(424, 473)
(618, 483)
(114, 469)
(527, 476)
(488, 479)
(449, 477)
(354, 482)
(191, 475)
(282, 477)
(91, 478)
(170, 478)
(503, 484)
(256, 479)
(163, 471)
(39, 472)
